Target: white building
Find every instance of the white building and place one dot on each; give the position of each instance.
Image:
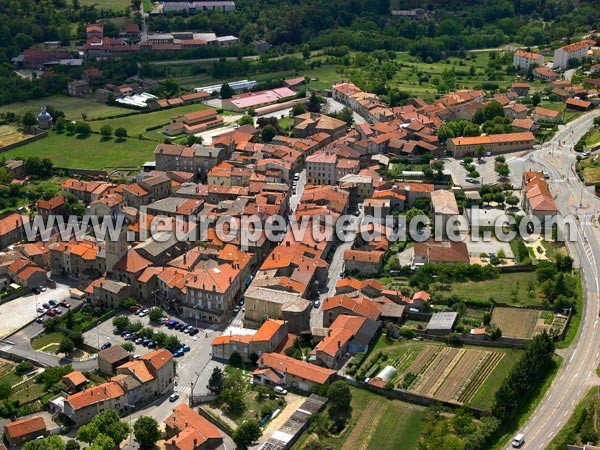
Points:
(522, 60)
(578, 50)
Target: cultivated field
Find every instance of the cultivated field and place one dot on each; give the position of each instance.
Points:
(469, 375)
(446, 373)
(375, 423)
(9, 135)
(526, 323)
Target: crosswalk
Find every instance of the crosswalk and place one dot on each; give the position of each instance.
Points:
(237, 323)
(183, 389)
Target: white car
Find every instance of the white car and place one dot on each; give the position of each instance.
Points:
(173, 397)
(143, 313)
(280, 390)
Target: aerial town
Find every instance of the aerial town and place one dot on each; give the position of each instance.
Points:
(301, 225)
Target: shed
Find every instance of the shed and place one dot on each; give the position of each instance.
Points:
(442, 323)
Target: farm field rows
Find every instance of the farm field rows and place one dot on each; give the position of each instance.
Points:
(448, 373)
(526, 323)
(466, 375)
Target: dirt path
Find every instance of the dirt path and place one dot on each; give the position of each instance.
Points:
(367, 422)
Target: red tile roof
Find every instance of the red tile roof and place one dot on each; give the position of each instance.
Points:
(297, 368)
(24, 427)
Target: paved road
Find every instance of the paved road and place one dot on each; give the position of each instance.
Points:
(578, 372)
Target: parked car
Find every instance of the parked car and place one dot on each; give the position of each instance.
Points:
(117, 332)
(40, 320)
(134, 309)
(105, 346)
(280, 390)
(50, 313)
(173, 397)
(124, 333)
(236, 309)
(35, 290)
(163, 320)
(178, 354)
(41, 310)
(143, 313)
(139, 340)
(187, 329)
(146, 341)
(65, 304)
(57, 310)
(194, 331)
(128, 337)
(53, 302)
(317, 303)
(185, 348)
(41, 288)
(152, 344)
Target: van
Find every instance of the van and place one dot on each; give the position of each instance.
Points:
(518, 440)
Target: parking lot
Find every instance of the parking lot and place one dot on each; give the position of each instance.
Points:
(20, 311)
(485, 167)
(189, 366)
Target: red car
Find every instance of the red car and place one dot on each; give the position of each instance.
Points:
(65, 304)
(50, 313)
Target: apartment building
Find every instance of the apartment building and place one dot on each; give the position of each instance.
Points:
(523, 60)
(576, 50)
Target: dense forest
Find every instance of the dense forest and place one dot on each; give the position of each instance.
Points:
(293, 25)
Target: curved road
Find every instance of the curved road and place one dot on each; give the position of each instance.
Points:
(578, 372)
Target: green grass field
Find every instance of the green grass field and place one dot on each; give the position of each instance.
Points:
(502, 289)
(137, 124)
(114, 5)
(89, 153)
(45, 339)
(72, 107)
(375, 423)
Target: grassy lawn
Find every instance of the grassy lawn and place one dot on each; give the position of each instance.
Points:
(113, 5)
(576, 318)
(592, 137)
(502, 289)
(45, 339)
(72, 107)
(485, 395)
(138, 123)
(590, 167)
(375, 423)
(89, 153)
(28, 391)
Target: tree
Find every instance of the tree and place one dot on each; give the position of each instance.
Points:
(339, 395)
(121, 322)
(106, 131)
(48, 443)
(226, 91)
(298, 109)
(77, 338)
(83, 129)
(59, 125)
(121, 133)
(313, 104)
(347, 116)
(474, 174)
(191, 140)
(72, 444)
(155, 314)
(268, 133)
(479, 151)
(146, 432)
(172, 342)
(502, 170)
(103, 442)
(71, 127)
(5, 391)
(512, 200)
(66, 345)
(234, 399)
(128, 346)
(493, 109)
(536, 99)
(305, 51)
(215, 382)
(29, 121)
(246, 120)
(247, 433)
